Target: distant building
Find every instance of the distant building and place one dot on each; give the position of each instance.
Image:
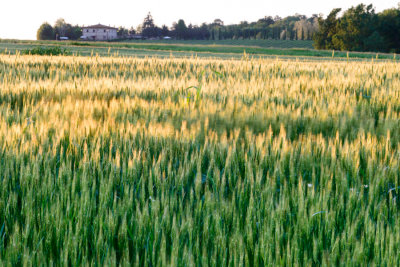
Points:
(99, 33)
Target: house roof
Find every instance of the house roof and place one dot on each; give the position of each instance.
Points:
(99, 26)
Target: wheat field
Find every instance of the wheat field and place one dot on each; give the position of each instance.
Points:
(198, 162)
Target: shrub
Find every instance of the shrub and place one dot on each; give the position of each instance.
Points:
(47, 51)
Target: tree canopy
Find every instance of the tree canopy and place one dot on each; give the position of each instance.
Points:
(360, 28)
(60, 29)
(45, 32)
(149, 29)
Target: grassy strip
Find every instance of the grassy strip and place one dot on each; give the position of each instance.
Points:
(215, 49)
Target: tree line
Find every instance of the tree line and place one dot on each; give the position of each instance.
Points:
(360, 28)
(297, 27)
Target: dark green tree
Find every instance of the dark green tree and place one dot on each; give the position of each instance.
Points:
(266, 21)
(360, 29)
(356, 24)
(327, 29)
(64, 29)
(218, 22)
(132, 31)
(204, 33)
(149, 29)
(148, 21)
(73, 32)
(374, 42)
(122, 32)
(45, 32)
(389, 29)
(180, 29)
(164, 31)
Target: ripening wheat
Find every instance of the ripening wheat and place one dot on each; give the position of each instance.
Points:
(192, 162)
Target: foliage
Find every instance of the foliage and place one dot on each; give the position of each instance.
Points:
(327, 29)
(148, 21)
(63, 29)
(45, 32)
(104, 162)
(47, 51)
(298, 27)
(180, 30)
(60, 29)
(149, 29)
(389, 28)
(374, 42)
(356, 24)
(122, 32)
(164, 31)
(360, 29)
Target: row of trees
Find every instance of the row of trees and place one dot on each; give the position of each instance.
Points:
(60, 29)
(179, 30)
(297, 27)
(360, 28)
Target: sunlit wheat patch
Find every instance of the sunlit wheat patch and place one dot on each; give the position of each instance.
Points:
(107, 161)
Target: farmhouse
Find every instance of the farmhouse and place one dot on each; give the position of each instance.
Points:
(99, 32)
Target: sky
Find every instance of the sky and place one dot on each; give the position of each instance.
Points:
(20, 19)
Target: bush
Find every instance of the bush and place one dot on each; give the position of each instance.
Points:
(47, 51)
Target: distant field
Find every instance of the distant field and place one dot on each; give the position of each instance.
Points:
(286, 44)
(260, 43)
(235, 49)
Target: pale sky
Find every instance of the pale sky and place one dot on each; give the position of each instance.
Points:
(20, 19)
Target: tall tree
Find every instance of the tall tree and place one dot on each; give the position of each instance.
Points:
(148, 27)
(148, 21)
(360, 29)
(132, 31)
(180, 29)
(356, 24)
(61, 27)
(164, 30)
(64, 29)
(45, 32)
(389, 28)
(218, 22)
(327, 29)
